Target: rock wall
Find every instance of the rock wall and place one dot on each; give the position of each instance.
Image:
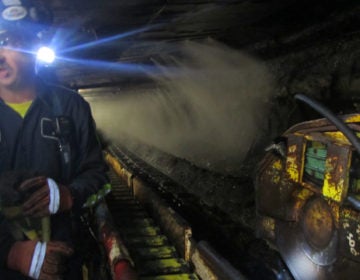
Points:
(322, 61)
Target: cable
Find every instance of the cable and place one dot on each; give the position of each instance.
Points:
(332, 118)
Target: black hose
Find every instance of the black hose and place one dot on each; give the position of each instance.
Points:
(332, 118)
(354, 201)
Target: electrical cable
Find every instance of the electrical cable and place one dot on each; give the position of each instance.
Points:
(332, 118)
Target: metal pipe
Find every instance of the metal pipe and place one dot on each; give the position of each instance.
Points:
(216, 264)
(121, 265)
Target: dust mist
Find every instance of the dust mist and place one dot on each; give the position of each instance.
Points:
(211, 111)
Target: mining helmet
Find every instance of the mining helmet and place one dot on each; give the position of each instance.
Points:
(22, 16)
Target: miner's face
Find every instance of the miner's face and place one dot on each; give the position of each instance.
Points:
(17, 61)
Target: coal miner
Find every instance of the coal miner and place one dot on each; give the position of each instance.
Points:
(51, 162)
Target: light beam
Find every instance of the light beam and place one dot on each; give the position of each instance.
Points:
(118, 66)
(106, 40)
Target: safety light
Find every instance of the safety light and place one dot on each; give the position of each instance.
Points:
(45, 55)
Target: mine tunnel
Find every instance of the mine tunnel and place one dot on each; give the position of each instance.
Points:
(230, 129)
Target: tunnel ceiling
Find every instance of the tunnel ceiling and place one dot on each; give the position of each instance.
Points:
(265, 27)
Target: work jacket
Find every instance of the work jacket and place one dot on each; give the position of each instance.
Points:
(31, 144)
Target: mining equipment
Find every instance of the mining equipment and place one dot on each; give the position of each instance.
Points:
(308, 196)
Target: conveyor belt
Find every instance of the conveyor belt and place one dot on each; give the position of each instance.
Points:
(154, 257)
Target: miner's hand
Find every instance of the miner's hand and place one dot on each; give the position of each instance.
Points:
(45, 197)
(39, 260)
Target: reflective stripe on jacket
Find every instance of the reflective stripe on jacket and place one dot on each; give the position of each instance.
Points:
(25, 145)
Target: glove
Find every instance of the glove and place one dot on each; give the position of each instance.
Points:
(46, 197)
(124, 271)
(39, 260)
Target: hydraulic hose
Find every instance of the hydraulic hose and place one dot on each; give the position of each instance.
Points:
(332, 118)
(354, 201)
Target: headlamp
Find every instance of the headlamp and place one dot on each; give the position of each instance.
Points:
(22, 24)
(45, 55)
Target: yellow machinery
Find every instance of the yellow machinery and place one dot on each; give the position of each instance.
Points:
(308, 199)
